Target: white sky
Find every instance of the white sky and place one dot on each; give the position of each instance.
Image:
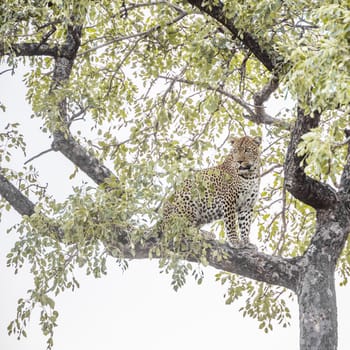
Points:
(135, 309)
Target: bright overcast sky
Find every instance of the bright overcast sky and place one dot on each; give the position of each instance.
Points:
(136, 309)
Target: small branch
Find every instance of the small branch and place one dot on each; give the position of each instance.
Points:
(125, 10)
(262, 96)
(47, 35)
(268, 171)
(171, 85)
(282, 238)
(243, 70)
(77, 116)
(252, 116)
(345, 177)
(7, 70)
(38, 155)
(132, 36)
(49, 24)
(341, 144)
(238, 100)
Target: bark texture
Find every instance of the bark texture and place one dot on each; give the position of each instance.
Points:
(317, 305)
(77, 154)
(13, 196)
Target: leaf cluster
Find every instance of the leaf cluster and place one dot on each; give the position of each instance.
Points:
(262, 302)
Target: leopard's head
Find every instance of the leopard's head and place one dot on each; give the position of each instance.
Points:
(246, 153)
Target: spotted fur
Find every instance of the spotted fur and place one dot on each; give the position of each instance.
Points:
(227, 191)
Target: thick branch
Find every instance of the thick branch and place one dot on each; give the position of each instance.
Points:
(29, 49)
(80, 157)
(67, 53)
(258, 266)
(215, 10)
(310, 191)
(17, 200)
(244, 262)
(63, 141)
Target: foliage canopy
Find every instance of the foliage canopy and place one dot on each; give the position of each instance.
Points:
(152, 90)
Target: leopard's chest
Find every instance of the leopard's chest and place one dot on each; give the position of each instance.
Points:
(236, 194)
(247, 192)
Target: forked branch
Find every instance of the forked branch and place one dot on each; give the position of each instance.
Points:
(308, 190)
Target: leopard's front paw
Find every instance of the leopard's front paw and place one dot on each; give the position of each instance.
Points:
(242, 245)
(248, 245)
(234, 244)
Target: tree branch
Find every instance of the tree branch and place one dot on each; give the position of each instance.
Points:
(77, 154)
(136, 35)
(125, 10)
(38, 155)
(215, 10)
(258, 116)
(14, 196)
(263, 95)
(312, 192)
(63, 140)
(244, 262)
(272, 168)
(29, 49)
(345, 178)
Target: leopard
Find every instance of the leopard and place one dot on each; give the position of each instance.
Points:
(227, 191)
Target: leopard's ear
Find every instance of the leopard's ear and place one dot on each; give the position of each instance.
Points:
(257, 140)
(233, 140)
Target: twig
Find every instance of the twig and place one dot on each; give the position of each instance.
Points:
(340, 144)
(271, 169)
(38, 155)
(76, 116)
(132, 36)
(243, 70)
(125, 9)
(7, 70)
(282, 239)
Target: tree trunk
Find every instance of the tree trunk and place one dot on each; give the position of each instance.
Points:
(317, 307)
(316, 286)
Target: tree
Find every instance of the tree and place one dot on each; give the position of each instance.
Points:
(161, 85)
